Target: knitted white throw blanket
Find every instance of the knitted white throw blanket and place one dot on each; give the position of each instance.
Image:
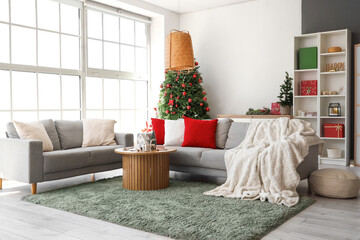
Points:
(264, 165)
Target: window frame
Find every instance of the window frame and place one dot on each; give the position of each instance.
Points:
(83, 72)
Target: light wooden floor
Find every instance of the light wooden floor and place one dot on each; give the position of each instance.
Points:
(326, 219)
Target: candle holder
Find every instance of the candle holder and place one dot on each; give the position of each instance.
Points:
(334, 109)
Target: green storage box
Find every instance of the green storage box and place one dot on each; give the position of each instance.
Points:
(307, 58)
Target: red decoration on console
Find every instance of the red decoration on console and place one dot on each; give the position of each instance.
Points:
(308, 87)
(334, 130)
(199, 133)
(275, 109)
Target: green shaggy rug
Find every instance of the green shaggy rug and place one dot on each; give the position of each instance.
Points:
(180, 211)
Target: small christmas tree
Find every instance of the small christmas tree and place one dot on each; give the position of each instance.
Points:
(181, 95)
(286, 92)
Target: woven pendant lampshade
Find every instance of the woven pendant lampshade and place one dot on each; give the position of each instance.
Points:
(179, 53)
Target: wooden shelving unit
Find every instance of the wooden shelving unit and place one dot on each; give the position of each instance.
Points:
(326, 81)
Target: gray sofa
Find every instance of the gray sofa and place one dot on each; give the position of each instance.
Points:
(23, 160)
(205, 164)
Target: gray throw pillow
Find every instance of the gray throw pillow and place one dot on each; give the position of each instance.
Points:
(236, 135)
(11, 130)
(49, 127)
(222, 130)
(70, 133)
(52, 133)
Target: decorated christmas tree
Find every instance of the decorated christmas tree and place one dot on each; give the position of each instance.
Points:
(181, 95)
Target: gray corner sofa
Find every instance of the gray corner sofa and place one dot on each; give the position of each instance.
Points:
(24, 160)
(205, 164)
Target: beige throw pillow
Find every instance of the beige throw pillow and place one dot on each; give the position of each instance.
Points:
(36, 131)
(98, 132)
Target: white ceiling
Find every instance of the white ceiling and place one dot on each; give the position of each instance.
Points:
(185, 6)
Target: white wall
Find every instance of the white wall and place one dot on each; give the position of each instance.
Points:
(244, 51)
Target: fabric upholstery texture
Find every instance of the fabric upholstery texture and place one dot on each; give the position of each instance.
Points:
(51, 131)
(174, 132)
(334, 183)
(199, 133)
(70, 133)
(126, 139)
(236, 135)
(49, 127)
(223, 126)
(187, 156)
(159, 128)
(21, 160)
(214, 159)
(11, 130)
(35, 131)
(75, 158)
(98, 132)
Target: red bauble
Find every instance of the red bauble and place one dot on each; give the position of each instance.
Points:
(205, 98)
(196, 63)
(183, 85)
(167, 111)
(176, 105)
(168, 85)
(159, 101)
(165, 94)
(204, 93)
(171, 95)
(199, 80)
(177, 97)
(190, 84)
(201, 104)
(177, 79)
(165, 71)
(161, 86)
(189, 100)
(207, 109)
(184, 93)
(188, 107)
(194, 76)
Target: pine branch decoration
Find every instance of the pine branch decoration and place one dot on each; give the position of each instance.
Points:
(286, 92)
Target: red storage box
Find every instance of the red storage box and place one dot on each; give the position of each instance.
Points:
(334, 130)
(308, 87)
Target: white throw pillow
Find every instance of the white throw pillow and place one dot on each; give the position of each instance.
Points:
(174, 132)
(98, 132)
(35, 131)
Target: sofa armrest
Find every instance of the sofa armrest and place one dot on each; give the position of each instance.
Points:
(21, 160)
(126, 139)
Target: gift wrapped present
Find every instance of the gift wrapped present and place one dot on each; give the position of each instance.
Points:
(308, 87)
(334, 130)
(275, 109)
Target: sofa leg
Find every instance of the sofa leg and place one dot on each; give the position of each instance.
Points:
(0, 183)
(33, 188)
(93, 177)
(309, 188)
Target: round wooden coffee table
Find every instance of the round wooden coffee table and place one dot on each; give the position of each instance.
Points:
(145, 170)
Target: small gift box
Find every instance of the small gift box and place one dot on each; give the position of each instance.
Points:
(308, 87)
(334, 130)
(275, 109)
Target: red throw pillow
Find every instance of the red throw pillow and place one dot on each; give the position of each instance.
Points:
(159, 128)
(199, 133)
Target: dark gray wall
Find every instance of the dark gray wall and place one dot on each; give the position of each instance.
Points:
(327, 15)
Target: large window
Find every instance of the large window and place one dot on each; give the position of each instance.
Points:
(117, 82)
(55, 63)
